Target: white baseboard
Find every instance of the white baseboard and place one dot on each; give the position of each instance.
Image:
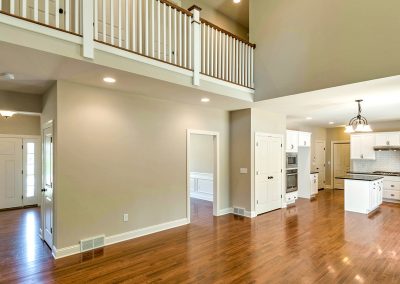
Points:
(328, 186)
(250, 214)
(75, 249)
(206, 197)
(225, 211)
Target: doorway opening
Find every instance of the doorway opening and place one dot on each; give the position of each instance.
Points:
(202, 172)
(340, 162)
(319, 162)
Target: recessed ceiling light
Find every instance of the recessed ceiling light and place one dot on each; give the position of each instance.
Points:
(236, 1)
(205, 100)
(308, 117)
(109, 80)
(331, 122)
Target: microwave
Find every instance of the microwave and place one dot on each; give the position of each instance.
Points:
(291, 160)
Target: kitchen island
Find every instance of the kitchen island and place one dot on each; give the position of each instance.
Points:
(362, 193)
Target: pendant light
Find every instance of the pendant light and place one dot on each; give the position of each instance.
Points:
(358, 123)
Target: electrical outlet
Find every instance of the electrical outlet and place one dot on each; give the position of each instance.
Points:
(243, 170)
(126, 218)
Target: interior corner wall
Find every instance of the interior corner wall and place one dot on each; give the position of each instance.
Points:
(240, 157)
(270, 123)
(21, 102)
(120, 153)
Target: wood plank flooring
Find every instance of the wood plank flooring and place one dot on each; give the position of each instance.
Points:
(313, 242)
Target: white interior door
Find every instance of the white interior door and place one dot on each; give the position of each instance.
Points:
(268, 178)
(47, 202)
(341, 163)
(320, 162)
(10, 172)
(32, 171)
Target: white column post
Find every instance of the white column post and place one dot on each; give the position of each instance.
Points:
(87, 28)
(196, 38)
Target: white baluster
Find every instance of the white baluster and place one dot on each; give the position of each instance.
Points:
(184, 40)
(189, 41)
(212, 52)
(203, 48)
(24, 8)
(146, 26)
(152, 27)
(119, 24)
(35, 10)
(127, 24)
(226, 57)
(252, 67)
(165, 31)
(175, 39)
(140, 26)
(57, 15)
(104, 19)
(158, 30)
(169, 34)
(134, 16)
(112, 21)
(223, 44)
(12, 7)
(220, 55)
(76, 14)
(67, 15)
(96, 19)
(180, 38)
(208, 50)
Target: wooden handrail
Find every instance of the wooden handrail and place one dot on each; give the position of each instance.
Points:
(228, 33)
(172, 5)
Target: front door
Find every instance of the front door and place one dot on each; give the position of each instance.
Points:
(10, 172)
(320, 162)
(268, 178)
(48, 186)
(341, 163)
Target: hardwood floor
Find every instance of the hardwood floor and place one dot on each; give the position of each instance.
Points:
(315, 241)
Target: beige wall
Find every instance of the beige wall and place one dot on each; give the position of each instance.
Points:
(316, 44)
(20, 102)
(125, 154)
(21, 125)
(217, 18)
(201, 153)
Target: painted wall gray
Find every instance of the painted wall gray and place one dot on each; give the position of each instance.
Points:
(119, 153)
(21, 125)
(201, 153)
(310, 45)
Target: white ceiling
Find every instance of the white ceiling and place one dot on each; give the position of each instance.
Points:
(381, 103)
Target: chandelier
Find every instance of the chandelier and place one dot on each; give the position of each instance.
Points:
(358, 123)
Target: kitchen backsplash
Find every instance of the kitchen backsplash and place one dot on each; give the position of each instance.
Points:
(388, 161)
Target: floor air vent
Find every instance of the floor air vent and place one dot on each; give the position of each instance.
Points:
(238, 211)
(92, 243)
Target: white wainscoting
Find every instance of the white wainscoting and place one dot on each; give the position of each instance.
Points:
(201, 186)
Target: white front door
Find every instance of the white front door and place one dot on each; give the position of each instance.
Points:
(320, 162)
(341, 163)
(268, 175)
(10, 172)
(47, 202)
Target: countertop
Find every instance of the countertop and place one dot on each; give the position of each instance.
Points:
(311, 173)
(374, 174)
(361, 177)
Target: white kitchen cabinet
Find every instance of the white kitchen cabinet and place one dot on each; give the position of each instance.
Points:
(304, 139)
(362, 196)
(387, 139)
(292, 141)
(362, 147)
(391, 189)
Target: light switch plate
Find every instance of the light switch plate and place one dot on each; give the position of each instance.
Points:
(126, 217)
(243, 170)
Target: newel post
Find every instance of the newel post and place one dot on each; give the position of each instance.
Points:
(196, 28)
(87, 28)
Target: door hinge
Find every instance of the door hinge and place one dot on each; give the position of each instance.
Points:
(256, 144)
(22, 197)
(281, 145)
(281, 170)
(257, 201)
(22, 172)
(324, 149)
(281, 195)
(51, 139)
(22, 146)
(51, 230)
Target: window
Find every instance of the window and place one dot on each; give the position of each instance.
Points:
(30, 169)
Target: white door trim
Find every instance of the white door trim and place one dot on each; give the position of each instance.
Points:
(332, 157)
(216, 169)
(283, 173)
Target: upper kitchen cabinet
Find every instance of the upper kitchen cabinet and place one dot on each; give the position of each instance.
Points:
(304, 139)
(388, 139)
(362, 147)
(292, 141)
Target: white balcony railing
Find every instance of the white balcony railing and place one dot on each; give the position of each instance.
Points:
(156, 29)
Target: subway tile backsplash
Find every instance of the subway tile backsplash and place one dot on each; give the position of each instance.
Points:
(388, 161)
